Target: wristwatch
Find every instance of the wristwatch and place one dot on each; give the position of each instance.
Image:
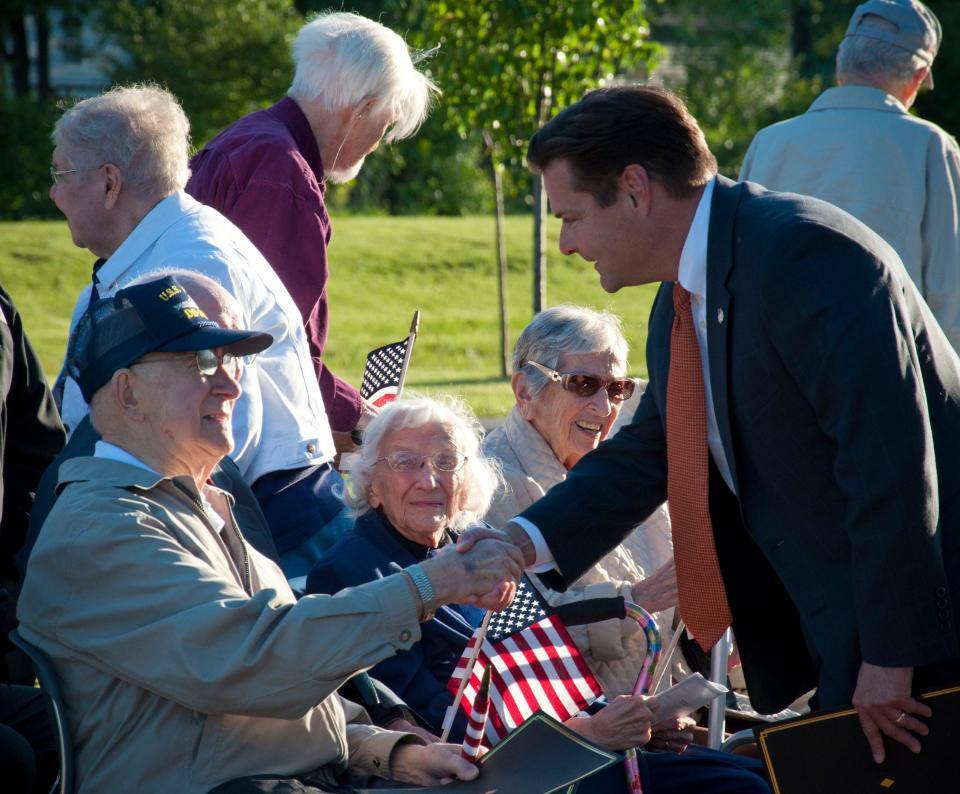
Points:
(428, 598)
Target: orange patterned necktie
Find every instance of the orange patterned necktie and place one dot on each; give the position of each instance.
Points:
(703, 599)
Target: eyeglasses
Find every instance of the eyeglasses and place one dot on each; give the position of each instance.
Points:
(209, 361)
(618, 389)
(403, 460)
(55, 173)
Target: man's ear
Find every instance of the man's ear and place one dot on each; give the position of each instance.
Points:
(363, 107)
(113, 184)
(124, 386)
(635, 182)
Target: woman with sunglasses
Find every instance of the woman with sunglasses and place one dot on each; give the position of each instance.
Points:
(570, 384)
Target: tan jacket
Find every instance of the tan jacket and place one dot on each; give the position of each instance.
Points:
(858, 148)
(184, 658)
(614, 649)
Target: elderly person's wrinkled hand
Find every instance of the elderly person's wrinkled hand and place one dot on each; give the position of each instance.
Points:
(659, 590)
(623, 723)
(672, 736)
(485, 576)
(430, 765)
(511, 533)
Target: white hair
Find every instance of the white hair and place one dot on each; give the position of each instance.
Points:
(860, 58)
(566, 329)
(481, 474)
(343, 59)
(141, 129)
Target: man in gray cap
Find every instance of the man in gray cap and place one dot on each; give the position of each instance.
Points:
(859, 148)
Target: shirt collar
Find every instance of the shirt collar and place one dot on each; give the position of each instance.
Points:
(163, 215)
(295, 120)
(857, 97)
(108, 451)
(693, 258)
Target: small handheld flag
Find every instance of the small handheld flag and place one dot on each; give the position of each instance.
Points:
(534, 665)
(477, 721)
(386, 368)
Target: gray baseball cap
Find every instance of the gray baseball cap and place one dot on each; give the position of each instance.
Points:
(907, 24)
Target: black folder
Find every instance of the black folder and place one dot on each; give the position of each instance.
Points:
(827, 753)
(539, 757)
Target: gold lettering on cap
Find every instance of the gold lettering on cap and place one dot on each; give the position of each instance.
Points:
(192, 312)
(170, 292)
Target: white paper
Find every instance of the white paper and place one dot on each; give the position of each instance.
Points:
(687, 696)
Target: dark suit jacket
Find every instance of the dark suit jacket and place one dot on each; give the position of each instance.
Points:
(838, 404)
(420, 675)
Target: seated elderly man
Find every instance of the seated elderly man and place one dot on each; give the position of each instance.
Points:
(186, 663)
(119, 168)
(570, 383)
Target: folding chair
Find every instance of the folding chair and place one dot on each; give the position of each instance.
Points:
(53, 700)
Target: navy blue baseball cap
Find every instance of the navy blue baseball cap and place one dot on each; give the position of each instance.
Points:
(152, 317)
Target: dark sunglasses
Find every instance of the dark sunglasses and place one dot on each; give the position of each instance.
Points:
(618, 389)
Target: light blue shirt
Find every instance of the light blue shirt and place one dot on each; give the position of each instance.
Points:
(279, 421)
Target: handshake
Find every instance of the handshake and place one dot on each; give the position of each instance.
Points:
(482, 568)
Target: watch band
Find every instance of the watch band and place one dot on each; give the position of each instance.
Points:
(428, 598)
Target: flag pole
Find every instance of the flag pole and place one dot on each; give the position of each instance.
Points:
(414, 330)
(467, 674)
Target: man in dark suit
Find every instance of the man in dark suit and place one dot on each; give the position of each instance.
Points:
(832, 417)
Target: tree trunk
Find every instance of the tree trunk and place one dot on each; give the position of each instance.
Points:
(544, 96)
(801, 40)
(19, 57)
(501, 256)
(42, 24)
(539, 245)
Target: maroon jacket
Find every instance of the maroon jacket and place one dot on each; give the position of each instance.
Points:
(264, 173)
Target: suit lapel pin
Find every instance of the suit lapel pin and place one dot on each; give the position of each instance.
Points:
(719, 315)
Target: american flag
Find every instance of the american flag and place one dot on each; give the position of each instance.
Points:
(477, 721)
(534, 665)
(381, 374)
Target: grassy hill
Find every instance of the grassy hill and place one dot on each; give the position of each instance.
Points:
(383, 268)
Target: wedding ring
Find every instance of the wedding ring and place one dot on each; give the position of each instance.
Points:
(899, 719)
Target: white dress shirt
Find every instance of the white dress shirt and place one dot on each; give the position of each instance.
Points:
(693, 278)
(279, 421)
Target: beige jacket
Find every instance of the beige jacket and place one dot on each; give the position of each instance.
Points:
(858, 148)
(614, 649)
(184, 658)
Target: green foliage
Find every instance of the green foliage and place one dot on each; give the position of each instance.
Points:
(382, 269)
(25, 126)
(222, 58)
(942, 105)
(506, 66)
(433, 173)
(740, 72)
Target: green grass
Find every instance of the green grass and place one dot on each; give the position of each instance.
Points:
(382, 269)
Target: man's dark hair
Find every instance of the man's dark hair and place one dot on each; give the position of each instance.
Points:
(611, 128)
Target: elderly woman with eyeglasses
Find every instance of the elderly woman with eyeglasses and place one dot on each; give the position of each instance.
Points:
(570, 384)
(418, 480)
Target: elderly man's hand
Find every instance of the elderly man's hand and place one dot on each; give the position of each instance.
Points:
(659, 590)
(511, 533)
(485, 576)
(430, 765)
(883, 703)
(623, 723)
